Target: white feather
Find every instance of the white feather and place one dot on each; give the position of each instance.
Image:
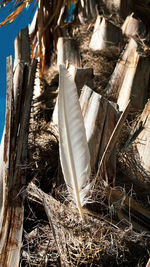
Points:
(74, 152)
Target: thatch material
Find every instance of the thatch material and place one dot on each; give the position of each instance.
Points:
(97, 242)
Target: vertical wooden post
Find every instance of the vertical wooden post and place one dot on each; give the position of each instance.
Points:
(13, 177)
(5, 213)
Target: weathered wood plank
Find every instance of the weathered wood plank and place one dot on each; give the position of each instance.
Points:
(67, 52)
(15, 151)
(94, 108)
(4, 212)
(130, 78)
(100, 118)
(105, 35)
(85, 96)
(22, 57)
(113, 139)
(111, 119)
(133, 27)
(13, 212)
(142, 141)
(22, 47)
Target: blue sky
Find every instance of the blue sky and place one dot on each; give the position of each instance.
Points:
(7, 37)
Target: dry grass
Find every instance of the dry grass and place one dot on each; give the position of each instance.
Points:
(43, 156)
(102, 62)
(131, 174)
(70, 241)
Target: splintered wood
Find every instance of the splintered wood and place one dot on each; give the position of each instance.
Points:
(121, 7)
(130, 78)
(13, 175)
(142, 141)
(105, 35)
(100, 117)
(133, 27)
(68, 53)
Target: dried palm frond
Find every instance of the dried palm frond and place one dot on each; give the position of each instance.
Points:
(18, 8)
(47, 27)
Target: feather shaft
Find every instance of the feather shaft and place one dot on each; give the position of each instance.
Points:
(73, 173)
(73, 147)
